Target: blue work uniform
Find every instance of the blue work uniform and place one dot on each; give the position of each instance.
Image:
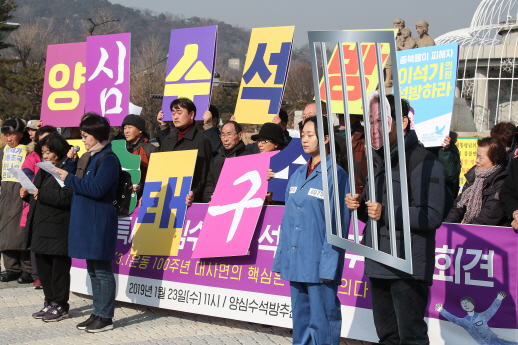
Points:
(304, 257)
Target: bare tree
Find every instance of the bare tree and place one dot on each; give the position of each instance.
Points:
(30, 42)
(148, 77)
(299, 86)
(103, 22)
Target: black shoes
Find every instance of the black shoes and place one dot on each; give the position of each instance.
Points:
(25, 278)
(100, 324)
(82, 325)
(8, 276)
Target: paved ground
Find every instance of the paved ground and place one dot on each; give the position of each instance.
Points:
(134, 324)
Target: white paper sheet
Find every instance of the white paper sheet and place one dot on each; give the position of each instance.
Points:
(49, 167)
(23, 179)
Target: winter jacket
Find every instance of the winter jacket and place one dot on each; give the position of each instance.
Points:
(49, 216)
(425, 181)
(192, 140)
(144, 149)
(93, 219)
(304, 254)
(509, 191)
(450, 160)
(491, 212)
(217, 165)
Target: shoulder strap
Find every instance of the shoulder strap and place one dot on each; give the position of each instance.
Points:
(102, 156)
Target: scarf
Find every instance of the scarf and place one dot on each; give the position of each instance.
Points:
(83, 162)
(472, 197)
(182, 132)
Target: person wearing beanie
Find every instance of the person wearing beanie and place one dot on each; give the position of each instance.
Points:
(137, 143)
(17, 260)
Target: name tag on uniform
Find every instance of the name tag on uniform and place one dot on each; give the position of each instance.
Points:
(317, 193)
(293, 190)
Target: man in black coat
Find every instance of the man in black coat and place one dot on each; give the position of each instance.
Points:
(185, 136)
(399, 299)
(211, 130)
(233, 146)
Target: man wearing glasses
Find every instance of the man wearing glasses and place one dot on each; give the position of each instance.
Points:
(233, 146)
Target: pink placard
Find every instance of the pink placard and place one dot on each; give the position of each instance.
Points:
(235, 207)
(63, 100)
(108, 77)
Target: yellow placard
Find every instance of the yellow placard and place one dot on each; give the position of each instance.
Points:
(265, 72)
(468, 156)
(78, 142)
(162, 212)
(353, 75)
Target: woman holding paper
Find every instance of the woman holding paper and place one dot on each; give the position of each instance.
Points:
(47, 231)
(304, 257)
(93, 222)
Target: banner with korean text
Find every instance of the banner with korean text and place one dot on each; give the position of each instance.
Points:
(63, 100)
(354, 93)
(190, 68)
(265, 72)
(161, 214)
(468, 156)
(427, 78)
(478, 262)
(108, 76)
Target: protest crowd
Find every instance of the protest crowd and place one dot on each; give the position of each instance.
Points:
(43, 230)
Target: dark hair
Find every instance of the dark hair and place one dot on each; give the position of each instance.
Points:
(184, 103)
(504, 132)
(42, 130)
(35, 117)
(97, 126)
(213, 110)
(469, 299)
(283, 115)
(405, 108)
(496, 152)
(238, 128)
(86, 115)
(340, 156)
(56, 144)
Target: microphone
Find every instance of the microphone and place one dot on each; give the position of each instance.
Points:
(64, 164)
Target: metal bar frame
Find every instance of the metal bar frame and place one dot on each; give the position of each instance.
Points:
(340, 239)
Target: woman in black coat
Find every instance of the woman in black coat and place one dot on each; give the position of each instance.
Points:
(479, 201)
(47, 231)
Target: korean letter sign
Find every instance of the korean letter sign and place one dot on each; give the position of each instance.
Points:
(265, 72)
(64, 87)
(108, 72)
(190, 68)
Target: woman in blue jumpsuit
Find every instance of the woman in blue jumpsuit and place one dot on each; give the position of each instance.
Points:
(304, 257)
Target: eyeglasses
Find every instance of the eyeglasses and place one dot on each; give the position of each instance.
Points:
(227, 135)
(263, 141)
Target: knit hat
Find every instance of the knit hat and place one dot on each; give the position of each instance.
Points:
(13, 126)
(136, 121)
(271, 131)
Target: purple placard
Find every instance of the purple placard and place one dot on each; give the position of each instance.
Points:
(190, 68)
(488, 255)
(108, 76)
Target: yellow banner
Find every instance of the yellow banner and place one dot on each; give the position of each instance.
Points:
(162, 212)
(264, 77)
(468, 156)
(78, 142)
(13, 158)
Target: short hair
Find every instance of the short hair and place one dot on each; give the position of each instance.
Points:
(42, 130)
(496, 152)
(322, 104)
(213, 110)
(85, 116)
(469, 299)
(504, 132)
(97, 126)
(283, 115)
(184, 103)
(237, 127)
(56, 144)
(405, 108)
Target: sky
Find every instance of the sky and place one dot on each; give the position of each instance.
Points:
(307, 15)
